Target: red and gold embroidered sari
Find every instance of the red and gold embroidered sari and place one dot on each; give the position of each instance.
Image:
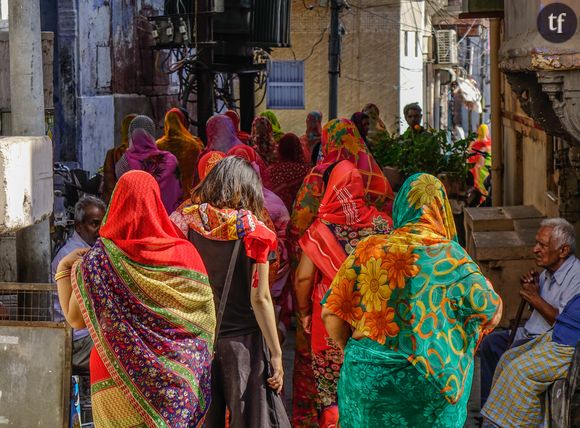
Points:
(145, 298)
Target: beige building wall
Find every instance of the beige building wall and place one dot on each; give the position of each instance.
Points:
(528, 159)
(369, 66)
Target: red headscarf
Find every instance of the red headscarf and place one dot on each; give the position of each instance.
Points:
(138, 224)
(252, 156)
(344, 199)
(242, 135)
(207, 162)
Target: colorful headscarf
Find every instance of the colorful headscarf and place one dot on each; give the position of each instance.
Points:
(224, 224)
(252, 156)
(340, 141)
(344, 201)
(113, 156)
(417, 291)
(343, 205)
(263, 139)
(242, 135)
(273, 119)
(313, 133)
(146, 300)
(144, 155)
(183, 145)
(221, 134)
(207, 162)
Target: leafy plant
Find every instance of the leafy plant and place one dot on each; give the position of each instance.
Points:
(430, 151)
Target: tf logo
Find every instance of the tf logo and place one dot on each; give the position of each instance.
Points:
(557, 22)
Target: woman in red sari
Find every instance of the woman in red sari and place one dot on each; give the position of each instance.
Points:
(288, 173)
(344, 218)
(340, 141)
(312, 135)
(242, 135)
(263, 139)
(143, 292)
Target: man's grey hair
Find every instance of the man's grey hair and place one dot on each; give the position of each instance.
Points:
(562, 232)
(84, 203)
(412, 106)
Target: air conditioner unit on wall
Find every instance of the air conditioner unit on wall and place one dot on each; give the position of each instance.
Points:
(446, 46)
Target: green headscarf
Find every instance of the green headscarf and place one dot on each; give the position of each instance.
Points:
(276, 128)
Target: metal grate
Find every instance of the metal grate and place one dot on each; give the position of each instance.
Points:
(28, 302)
(286, 85)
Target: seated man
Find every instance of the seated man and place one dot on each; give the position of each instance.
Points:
(547, 293)
(526, 372)
(89, 212)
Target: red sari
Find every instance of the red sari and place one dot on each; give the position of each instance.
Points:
(344, 218)
(288, 173)
(145, 298)
(340, 141)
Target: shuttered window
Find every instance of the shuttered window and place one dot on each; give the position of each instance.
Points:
(286, 85)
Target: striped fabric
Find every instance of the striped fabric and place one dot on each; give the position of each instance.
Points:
(521, 378)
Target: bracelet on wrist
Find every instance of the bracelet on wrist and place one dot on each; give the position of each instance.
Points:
(62, 274)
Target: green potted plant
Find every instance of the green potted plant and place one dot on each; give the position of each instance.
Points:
(430, 151)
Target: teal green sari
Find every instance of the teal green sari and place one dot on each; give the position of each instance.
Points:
(422, 305)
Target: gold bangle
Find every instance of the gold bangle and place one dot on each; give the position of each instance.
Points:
(62, 274)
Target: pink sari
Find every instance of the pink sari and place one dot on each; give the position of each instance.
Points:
(144, 155)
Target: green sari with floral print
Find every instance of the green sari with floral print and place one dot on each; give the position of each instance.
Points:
(420, 303)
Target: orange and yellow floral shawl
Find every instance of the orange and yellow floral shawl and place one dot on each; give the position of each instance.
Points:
(417, 291)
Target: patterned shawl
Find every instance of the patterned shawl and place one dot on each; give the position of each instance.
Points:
(313, 133)
(263, 139)
(340, 141)
(146, 300)
(113, 156)
(273, 119)
(242, 135)
(184, 146)
(224, 224)
(417, 291)
(288, 173)
(221, 134)
(144, 155)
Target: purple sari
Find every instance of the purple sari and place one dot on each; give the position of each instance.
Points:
(144, 155)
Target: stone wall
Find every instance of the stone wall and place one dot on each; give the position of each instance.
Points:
(107, 69)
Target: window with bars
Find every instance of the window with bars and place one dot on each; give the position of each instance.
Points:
(285, 85)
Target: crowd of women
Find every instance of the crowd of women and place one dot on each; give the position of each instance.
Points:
(209, 249)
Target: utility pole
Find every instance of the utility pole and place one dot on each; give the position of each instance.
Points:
(27, 114)
(334, 57)
(204, 75)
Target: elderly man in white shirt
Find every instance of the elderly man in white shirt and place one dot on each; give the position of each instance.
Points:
(547, 293)
(89, 213)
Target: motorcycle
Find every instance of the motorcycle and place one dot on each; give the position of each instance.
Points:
(70, 185)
